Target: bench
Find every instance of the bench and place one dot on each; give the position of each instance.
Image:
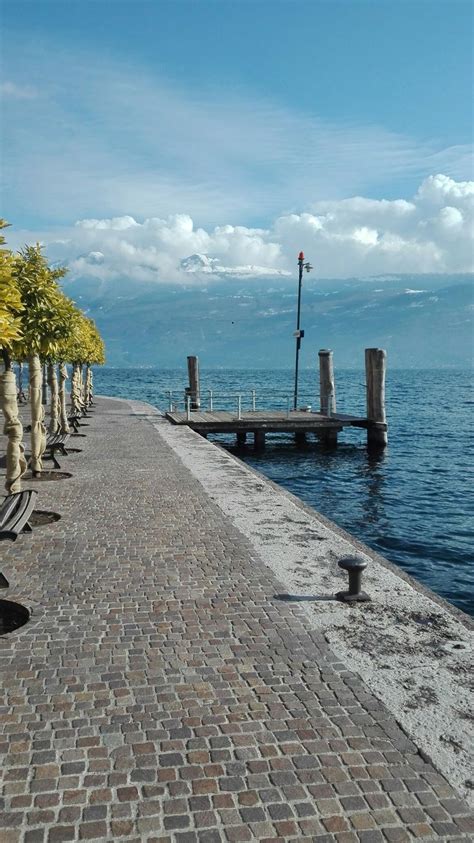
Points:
(73, 420)
(15, 511)
(56, 442)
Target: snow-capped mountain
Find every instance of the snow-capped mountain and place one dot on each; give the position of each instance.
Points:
(204, 264)
(199, 263)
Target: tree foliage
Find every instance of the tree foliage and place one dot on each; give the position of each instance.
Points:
(10, 299)
(36, 317)
(44, 320)
(84, 343)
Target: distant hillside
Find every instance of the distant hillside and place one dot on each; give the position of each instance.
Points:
(422, 321)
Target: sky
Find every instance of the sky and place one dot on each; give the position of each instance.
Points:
(137, 133)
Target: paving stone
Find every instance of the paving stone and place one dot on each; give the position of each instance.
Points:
(160, 694)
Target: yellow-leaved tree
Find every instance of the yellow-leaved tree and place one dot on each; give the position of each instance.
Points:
(11, 308)
(94, 355)
(43, 326)
(84, 346)
(68, 350)
(66, 314)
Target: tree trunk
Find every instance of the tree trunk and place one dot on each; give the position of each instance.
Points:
(88, 386)
(44, 384)
(63, 423)
(38, 430)
(76, 398)
(84, 387)
(53, 388)
(21, 394)
(13, 429)
(80, 383)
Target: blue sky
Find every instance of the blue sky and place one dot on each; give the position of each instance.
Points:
(232, 112)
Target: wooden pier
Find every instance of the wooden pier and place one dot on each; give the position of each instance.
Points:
(324, 425)
(260, 422)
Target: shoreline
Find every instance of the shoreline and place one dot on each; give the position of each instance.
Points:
(414, 656)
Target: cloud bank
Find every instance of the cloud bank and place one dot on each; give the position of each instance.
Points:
(432, 232)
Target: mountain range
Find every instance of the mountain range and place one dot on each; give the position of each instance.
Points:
(237, 318)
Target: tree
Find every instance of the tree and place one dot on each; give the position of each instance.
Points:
(94, 353)
(42, 327)
(11, 308)
(66, 314)
(68, 350)
(83, 346)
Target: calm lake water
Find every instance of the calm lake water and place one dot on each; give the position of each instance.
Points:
(413, 503)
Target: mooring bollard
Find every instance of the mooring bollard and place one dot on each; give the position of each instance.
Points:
(354, 566)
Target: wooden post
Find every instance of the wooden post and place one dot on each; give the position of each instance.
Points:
(241, 438)
(375, 361)
(259, 440)
(328, 438)
(300, 439)
(327, 389)
(193, 374)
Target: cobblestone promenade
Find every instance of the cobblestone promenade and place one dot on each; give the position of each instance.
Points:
(161, 693)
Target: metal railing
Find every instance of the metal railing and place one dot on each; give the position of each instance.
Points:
(239, 402)
(247, 401)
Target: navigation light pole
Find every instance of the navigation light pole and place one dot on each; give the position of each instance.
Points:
(299, 334)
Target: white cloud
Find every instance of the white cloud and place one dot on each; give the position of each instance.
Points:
(117, 224)
(342, 238)
(440, 190)
(359, 236)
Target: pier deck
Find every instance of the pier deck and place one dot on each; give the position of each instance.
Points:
(270, 421)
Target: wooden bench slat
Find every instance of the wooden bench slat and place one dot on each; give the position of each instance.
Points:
(15, 512)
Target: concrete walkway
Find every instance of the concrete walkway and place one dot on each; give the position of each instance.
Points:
(160, 692)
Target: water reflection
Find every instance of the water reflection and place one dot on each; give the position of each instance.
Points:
(374, 501)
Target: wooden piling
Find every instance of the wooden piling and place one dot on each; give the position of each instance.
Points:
(194, 389)
(259, 440)
(328, 439)
(327, 389)
(300, 439)
(241, 438)
(375, 363)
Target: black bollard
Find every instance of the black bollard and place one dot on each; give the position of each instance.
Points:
(354, 566)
